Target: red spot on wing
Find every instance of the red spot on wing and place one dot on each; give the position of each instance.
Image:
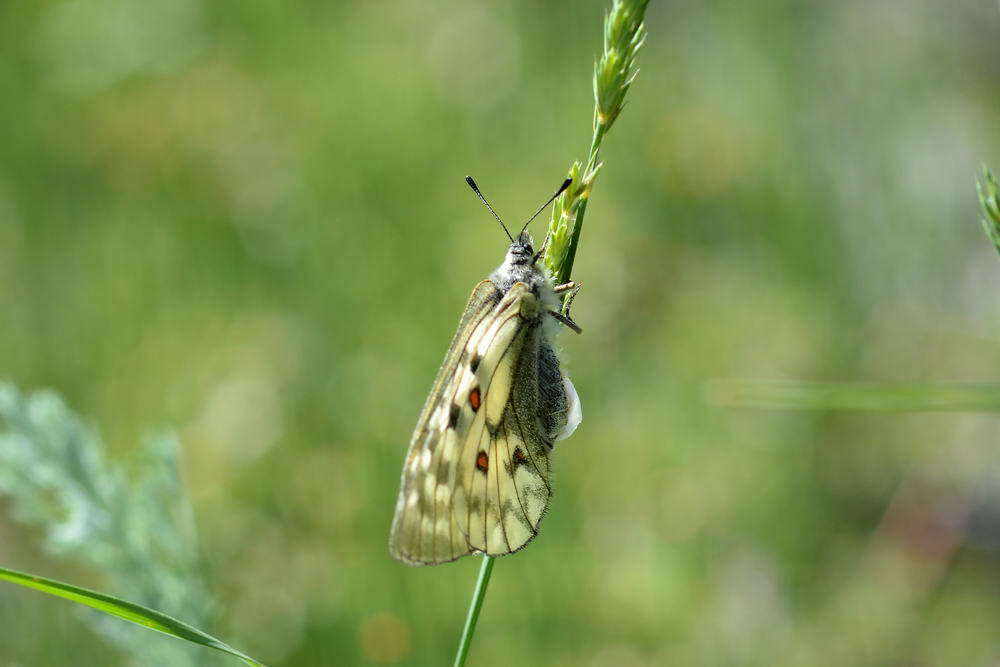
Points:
(482, 461)
(474, 398)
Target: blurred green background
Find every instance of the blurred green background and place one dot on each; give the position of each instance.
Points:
(246, 222)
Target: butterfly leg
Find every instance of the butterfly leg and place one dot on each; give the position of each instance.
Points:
(573, 288)
(541, 251)
(567, 287)
(565, 320)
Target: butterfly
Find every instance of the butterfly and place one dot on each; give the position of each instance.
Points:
(476, 478)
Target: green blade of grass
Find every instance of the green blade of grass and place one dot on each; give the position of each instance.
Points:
(129, 611)
(855, 396)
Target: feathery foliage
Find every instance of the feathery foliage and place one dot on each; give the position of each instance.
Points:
(140, 535)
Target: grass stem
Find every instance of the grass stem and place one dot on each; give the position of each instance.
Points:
(614, 72)
(567, 267)
(474, 607)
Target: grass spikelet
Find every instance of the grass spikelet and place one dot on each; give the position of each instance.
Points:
(614, 72)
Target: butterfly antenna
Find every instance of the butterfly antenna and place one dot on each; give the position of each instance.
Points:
(561, 189)
(475, 188)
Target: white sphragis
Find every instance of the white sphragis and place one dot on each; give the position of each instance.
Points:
(477, 474)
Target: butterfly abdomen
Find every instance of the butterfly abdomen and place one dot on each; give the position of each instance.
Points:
(551, 392)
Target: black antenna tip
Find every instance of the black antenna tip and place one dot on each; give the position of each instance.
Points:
(562, 188)
(472, 184)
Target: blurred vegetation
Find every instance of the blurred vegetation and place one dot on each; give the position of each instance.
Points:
(989, 199)
(246, 222)
(140, 534)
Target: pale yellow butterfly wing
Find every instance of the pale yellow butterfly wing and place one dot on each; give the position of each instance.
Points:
(476, 474)
(411, 539)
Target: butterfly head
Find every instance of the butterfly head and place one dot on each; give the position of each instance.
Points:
(519, 265)
(521, 251)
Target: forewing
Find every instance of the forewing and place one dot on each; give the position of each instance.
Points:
(413, 526)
